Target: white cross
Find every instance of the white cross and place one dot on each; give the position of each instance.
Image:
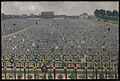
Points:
(28, 50)
(14, 36)
(103, 46)
(33, 44)
(15, 47)
(83, 60)
(51, 32)
(9, 39)
(14, 67)
(56, 47)
(79, 46)
(83, 42)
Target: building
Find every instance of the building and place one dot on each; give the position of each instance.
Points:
(24, 15)
(84, 15)
(47, 15)
(71, 17)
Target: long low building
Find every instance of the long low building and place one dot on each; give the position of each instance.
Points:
(47, 15)
(71, 17)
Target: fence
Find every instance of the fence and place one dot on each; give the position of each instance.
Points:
(58, 67)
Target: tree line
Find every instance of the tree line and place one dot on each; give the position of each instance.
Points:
(107, 14)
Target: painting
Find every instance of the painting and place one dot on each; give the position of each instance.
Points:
(59, 40)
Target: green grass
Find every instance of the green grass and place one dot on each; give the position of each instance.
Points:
(113, 22)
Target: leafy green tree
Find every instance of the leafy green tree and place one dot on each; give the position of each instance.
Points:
(96, 12)
(115, 13)
(102, 13)
(108, 14)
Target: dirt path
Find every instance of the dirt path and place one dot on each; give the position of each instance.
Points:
(17, 32)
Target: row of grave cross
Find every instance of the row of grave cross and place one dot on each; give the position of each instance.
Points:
(44, 67)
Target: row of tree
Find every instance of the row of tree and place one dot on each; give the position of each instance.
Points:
(107, 14)
(4, 16)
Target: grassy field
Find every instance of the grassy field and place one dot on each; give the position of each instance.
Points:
(113, 23)
(110, 22)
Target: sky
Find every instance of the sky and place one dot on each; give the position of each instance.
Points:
(59, 7)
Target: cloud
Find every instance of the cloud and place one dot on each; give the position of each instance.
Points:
(68, 8)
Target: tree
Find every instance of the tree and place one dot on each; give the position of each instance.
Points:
(96, 12)
(3, 16)
(115, 13)
(109, 14)
(102, 13)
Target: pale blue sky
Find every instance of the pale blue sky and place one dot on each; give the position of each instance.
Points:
(67, 8)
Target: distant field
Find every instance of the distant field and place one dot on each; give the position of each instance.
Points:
(112, 22)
